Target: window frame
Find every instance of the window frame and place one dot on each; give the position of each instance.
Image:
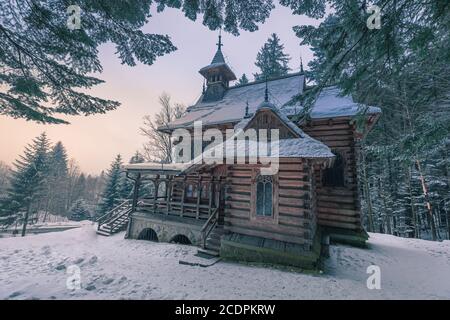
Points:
(272, 219)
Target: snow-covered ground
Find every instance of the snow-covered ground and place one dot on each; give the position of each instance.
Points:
(113, 268)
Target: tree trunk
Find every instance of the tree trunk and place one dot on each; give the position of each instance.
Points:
(25, 220)
(427, 201)
(413, 209)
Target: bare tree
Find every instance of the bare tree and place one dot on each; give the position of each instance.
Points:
(159, 146)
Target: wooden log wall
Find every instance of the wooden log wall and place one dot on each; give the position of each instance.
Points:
(293, 219)
(337, 206)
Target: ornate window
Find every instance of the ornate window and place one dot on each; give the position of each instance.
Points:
(264, 196)
(334, 176)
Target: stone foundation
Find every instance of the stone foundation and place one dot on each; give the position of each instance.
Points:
(165, 227)
(260, 250)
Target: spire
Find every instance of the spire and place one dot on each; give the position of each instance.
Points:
(219, 44)
(218, 75)
(246, 110)
(204, 87)
(266, 93)
(266, 104)
(301, 64)
(218, 57)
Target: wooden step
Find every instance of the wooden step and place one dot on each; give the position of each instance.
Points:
(103, 233)
(210, 252)
(213, 242)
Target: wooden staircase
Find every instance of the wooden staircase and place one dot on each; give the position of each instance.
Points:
(115, 220)
(212, 231)
(213, 240)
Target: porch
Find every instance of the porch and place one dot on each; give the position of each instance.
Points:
(176, 203)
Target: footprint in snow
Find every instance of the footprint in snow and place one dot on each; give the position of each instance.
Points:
(90, 287)
(93, 260)
(15, 294)
(60, 266)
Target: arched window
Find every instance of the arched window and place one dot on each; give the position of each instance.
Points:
(334, 176)
(264, 195)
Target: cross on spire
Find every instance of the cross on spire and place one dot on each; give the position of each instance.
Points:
(301, 64)
(219, 44)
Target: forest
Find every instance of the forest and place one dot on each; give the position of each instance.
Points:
(403, 67)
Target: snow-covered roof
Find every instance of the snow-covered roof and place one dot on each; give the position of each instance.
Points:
(231, 109)
(161, 168)
(331, 104)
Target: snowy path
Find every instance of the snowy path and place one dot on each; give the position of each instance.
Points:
(114, 268)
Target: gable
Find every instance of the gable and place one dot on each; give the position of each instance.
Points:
(268, 119)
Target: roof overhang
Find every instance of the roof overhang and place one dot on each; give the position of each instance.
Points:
(222, 68)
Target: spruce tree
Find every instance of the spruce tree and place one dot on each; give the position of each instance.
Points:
(79, 211)
(27, 185)
(271, 60)
(243, 79)
(113, 193)
(57, 185)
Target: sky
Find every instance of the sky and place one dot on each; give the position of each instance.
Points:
(95, 140)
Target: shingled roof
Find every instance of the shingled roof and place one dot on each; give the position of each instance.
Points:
(231, 109)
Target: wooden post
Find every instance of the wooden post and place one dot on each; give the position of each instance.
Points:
(199, 193)
(137, 183)
(169, 194)
(211, 193)
(183, 195)
(155, 194)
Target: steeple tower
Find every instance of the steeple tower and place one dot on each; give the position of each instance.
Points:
(218, 75)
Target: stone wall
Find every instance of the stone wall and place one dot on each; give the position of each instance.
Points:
(166, 227)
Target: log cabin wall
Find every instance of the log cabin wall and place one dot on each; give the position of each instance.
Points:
(293, 218)
(337, 206)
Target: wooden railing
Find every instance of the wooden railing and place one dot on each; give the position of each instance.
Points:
(117, 211)
(118, 222)
(209, 226)
(176, 208)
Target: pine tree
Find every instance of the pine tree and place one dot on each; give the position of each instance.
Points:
(79, 211)
(243, 79)
(57, 184)
(112, 195)
(271, 60)
(27, 183)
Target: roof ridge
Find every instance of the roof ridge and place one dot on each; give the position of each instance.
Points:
(289, 75)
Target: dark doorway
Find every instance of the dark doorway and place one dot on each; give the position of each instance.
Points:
(148, 234)
(181, 239)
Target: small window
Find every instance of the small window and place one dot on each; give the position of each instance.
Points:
(334, 176)
(205, 191)
(264, 194)
(190, 191)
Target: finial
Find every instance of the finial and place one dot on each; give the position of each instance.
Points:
(266, 93)
(204, 89)
(246, 110)
(301, 64)
(219, 44)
